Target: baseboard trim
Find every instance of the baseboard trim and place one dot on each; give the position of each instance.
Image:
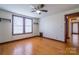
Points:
(29, 38)
(54, 39)
(18, 40)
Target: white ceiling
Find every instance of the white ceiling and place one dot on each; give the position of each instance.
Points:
(25, 9)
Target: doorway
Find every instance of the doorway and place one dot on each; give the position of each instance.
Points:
(72, 28)
(75, 33)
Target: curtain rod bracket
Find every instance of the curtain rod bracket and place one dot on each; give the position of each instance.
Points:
(5, 19)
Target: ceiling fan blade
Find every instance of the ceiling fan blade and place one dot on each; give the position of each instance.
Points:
(42, 5)
(32, 6)
(33, 11)
(39, 13)
(44, 10)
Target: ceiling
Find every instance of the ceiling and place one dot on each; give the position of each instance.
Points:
(25, 9)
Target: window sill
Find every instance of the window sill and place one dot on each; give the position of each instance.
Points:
(22, 33)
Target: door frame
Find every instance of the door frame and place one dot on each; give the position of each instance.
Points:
(67, 16)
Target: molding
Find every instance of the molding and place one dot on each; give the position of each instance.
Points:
(18, 40)
(66, 18)
(54, 39)
(29, 38)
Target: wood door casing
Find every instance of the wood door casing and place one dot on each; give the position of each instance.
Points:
(67, 16)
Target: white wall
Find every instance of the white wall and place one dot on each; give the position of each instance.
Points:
(6, 28)
(53, 26)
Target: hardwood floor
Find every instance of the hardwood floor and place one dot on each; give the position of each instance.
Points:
(37, 46)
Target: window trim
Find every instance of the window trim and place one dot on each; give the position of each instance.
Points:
(23, 25)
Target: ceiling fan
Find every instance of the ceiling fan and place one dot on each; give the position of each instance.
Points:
(38, 9)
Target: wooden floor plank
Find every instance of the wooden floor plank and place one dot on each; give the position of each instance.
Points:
(36, 46)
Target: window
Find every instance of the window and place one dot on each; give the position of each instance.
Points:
(28, 25)
(17, 25)
(21, 25)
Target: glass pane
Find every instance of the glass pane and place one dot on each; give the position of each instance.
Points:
(75, 27)
(28, 29)
(28, 25)
(75, 40)
(18, 25)
(28, 22)
(18, 20)
(18, 30)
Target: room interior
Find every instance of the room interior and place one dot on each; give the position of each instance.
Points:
(39, 29)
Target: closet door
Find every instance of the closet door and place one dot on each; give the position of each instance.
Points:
(75, 33)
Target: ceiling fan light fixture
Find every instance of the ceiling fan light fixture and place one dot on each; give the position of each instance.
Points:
(38, 11)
